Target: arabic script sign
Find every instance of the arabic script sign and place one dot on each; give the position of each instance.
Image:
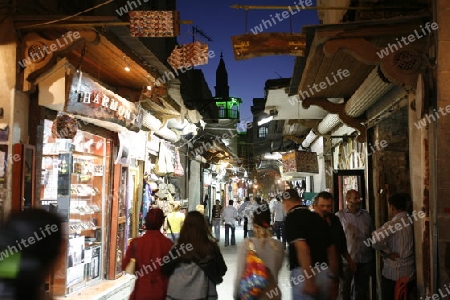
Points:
(269, 43)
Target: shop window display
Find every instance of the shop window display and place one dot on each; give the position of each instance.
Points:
(74, 178)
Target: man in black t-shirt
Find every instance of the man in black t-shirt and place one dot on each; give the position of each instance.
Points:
(312, 256)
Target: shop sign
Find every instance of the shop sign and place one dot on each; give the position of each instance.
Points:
(300, 161)
(247, 46)
(89, 99)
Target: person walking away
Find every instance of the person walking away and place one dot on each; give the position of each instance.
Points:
(229, 216)
(217, 219)
(268, 249)
(358, 228)
(249, 209)
(278, 216)
(272, 202)
(174, 221)
(237, 205)
(195, 264)
(242, 215)
(312, 255)
(147, 250)
(201, 209)
(322, 205)
(396, 246)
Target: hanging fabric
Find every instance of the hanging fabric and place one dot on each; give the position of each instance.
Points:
(179, 171)
(169, 158)
(160, 164)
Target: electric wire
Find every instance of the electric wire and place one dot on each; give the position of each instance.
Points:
(71, 16)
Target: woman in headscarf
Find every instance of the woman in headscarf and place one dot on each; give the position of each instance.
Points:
(148, 251)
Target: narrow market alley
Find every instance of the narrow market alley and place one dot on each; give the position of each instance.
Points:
(106, 291)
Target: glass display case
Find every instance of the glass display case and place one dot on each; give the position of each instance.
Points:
(75, 179)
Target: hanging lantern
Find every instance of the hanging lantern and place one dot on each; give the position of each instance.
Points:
(154, 23)
(189, 55)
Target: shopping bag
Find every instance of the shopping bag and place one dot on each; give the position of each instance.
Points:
(256, 275)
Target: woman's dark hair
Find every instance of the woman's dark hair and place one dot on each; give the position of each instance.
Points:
(196, 232)
(261, 216)
(31, 241)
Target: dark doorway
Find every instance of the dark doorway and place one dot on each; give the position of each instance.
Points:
(344, 180)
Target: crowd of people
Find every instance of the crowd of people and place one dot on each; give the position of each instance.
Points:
(330, 255)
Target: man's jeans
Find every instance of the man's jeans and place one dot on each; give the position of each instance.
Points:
(245, 227)
(360, 280)
(216, 225)
(228, 227)
(280, 231)
(173, 237)
(321, 278)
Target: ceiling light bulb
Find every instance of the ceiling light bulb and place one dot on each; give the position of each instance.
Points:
(149, 87)
(127, 68)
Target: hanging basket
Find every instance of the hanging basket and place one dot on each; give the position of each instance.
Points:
(65, 126)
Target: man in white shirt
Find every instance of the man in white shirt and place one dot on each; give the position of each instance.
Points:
(278, 216)
(395, 241)
(272, 201)
(229, 215)
(357, 225)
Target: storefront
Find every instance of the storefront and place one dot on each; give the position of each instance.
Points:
(89, 175)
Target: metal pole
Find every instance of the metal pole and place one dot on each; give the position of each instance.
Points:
(299, 8)
(83, 24)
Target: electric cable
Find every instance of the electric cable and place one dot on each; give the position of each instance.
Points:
(71, 16)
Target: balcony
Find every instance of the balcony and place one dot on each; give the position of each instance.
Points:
(232, 113)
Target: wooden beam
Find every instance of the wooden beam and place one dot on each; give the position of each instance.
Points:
(38, 52)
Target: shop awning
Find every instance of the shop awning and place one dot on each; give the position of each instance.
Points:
(344, 73)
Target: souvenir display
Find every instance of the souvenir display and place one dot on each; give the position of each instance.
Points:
(189, 55)
(154, 23)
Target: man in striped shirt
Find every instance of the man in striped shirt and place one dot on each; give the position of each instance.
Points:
(357, 224)
(395, 242)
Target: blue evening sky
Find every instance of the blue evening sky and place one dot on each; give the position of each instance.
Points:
(246, 78)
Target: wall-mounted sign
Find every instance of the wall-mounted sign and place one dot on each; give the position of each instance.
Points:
(247, 46)
(300, 162)
(89, 99)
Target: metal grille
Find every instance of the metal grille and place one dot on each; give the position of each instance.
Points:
(408, 61)
(36, 53)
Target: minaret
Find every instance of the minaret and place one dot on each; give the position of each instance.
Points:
(222, 88)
